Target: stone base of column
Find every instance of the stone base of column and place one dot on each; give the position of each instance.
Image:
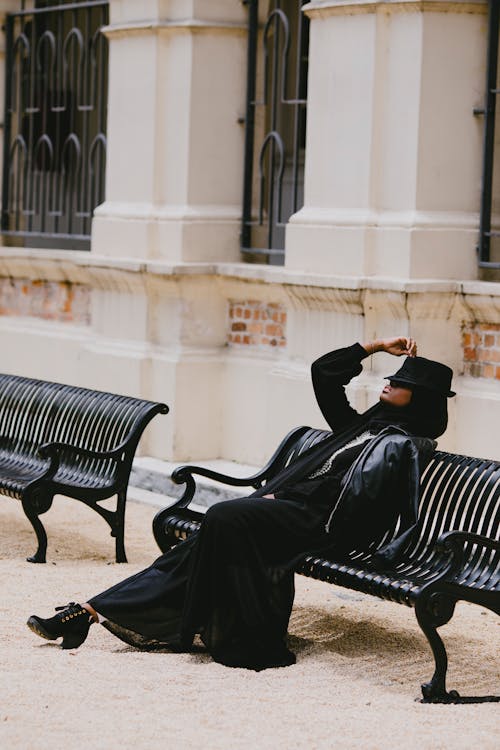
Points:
(183, 234)
(411, 246)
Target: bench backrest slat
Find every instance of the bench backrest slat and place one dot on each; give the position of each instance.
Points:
(24, 411)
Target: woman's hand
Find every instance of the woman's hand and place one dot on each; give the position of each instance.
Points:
(399, 346)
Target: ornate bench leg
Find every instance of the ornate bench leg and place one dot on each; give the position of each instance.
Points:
(119, 528)
(433, 610)
(33, 506)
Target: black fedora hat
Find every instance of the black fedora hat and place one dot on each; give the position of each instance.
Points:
(425, 373)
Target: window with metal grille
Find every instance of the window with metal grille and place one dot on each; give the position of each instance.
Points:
(489, 222)
(55, 122)
(278, 40)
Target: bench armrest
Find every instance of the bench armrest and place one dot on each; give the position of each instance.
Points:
(185, 475)
(51, 450)
(451, 539)
(180, 475)
(467, 536)
(452, 543)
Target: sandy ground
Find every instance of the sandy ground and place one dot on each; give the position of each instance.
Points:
(360, 662)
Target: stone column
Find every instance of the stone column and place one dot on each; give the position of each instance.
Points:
(175, 155)
(393, 157)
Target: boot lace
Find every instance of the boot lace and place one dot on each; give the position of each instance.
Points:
(71, 610)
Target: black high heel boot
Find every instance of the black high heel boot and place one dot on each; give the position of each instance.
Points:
(72, 623)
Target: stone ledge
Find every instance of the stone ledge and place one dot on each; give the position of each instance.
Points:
(326, 8)
(73, 265)
(88, 268)
(192, 26)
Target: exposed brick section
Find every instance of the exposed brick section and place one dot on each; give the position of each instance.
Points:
(481, 350)
(50, 300)
(257, 324)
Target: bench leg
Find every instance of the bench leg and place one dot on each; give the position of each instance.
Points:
(33, 506)
(116, 521)
(432, 611)
(119, 528)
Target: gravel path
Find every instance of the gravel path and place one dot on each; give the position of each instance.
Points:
(360, 662)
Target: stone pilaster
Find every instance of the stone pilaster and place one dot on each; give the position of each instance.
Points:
(394, 152)
(175, 156)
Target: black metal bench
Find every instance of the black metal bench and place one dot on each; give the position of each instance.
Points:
(455, 557)
(60, 439)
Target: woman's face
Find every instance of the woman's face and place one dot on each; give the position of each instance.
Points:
(395, 394)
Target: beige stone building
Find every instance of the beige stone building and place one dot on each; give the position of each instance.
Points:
(201, 196)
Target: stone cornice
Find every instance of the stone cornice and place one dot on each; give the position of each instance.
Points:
(82, 267)
(190, 26)
(325, 8)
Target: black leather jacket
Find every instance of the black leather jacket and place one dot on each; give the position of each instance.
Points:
(381, 488)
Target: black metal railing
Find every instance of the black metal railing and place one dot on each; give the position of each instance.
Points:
(275, 127)
(55, 122)
(487, 233)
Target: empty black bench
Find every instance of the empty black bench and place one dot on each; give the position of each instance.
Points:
(60, 439)
(455, 557)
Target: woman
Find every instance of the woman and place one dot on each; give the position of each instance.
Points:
(232, 581)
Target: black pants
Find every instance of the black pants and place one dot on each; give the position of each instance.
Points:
(231, 582)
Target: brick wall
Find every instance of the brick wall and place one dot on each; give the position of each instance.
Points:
(481, 348)
(256, 324)
(50, 300)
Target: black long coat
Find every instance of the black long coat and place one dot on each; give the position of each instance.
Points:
(232, 581)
